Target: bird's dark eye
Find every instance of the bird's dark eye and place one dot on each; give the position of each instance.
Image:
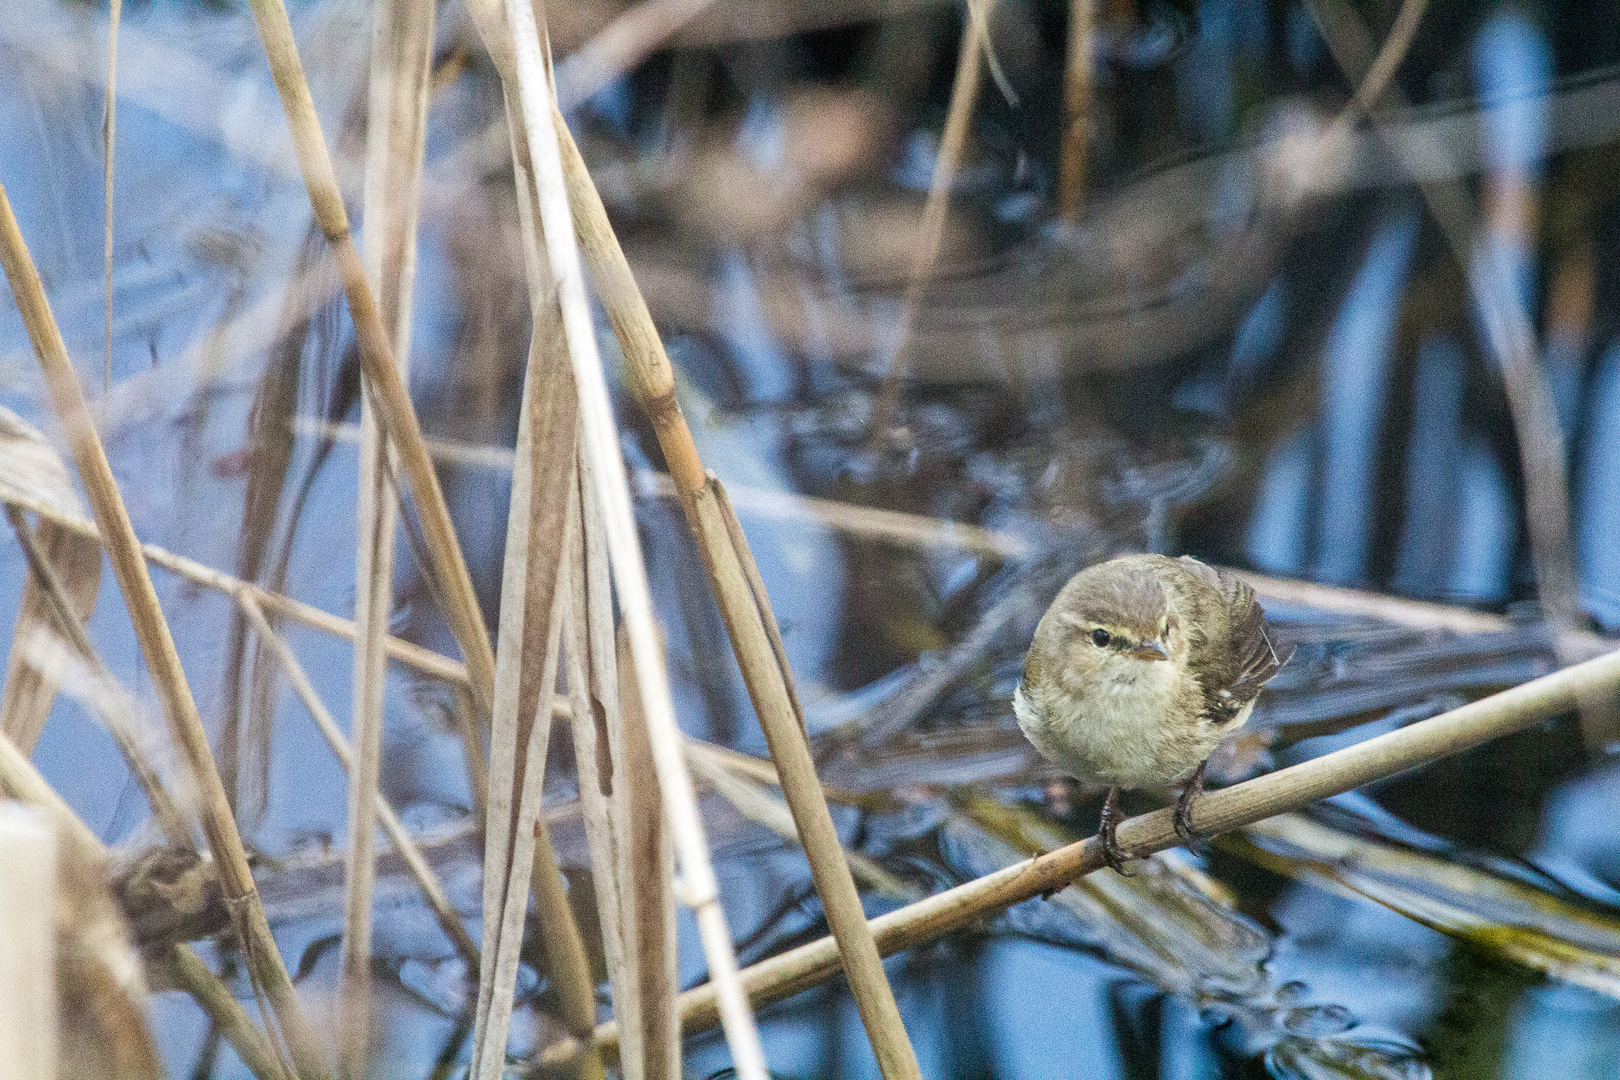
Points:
(1100, 638)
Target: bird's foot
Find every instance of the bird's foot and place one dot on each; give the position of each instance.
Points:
(1184, 805)
(1114, 855)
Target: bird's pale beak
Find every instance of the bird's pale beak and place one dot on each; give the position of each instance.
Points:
(1150, 650)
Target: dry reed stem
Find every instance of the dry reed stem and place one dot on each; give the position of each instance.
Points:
(28, 1036)
(1426, 741)
(396, 138)
(408, 653)
(415, 862)
(1074, 139)
(193, 976)
(109, 129)
(744, 607)
(896, 526)
(964, 95)
(152, 632)
(120, 717)
(647, 869)
(1509, 337)
(764, 673)
(30, 690)
(697, 886)
(22, 781)
(383, 380)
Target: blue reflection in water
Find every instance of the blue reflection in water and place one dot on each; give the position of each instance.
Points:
(1597, 496)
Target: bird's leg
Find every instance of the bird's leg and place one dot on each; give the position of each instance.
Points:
(1114, 855)
(1184, 804)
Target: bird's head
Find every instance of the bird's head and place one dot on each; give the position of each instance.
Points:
(1110, 620)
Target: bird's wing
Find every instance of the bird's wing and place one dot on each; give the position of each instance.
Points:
(1254, 657)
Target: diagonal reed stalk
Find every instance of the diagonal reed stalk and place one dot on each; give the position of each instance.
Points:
(28, 991)
(1216, 812)
(152, 632)
(415, 862)
(384, 383)
(396, 138)
(964, 95)
(697, 887)
(745, 609)
(405, 652)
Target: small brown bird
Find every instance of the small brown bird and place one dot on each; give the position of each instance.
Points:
(1139, 669)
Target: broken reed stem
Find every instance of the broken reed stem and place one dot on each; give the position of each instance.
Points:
(67, 622)
(697, 886)
(415, 862)
(23, 782)
(744, 607)
(408, 653)
(383, 380)
(1076, 131)
(152, 632)
(1297, 786)
(396, 135)
(964, 95)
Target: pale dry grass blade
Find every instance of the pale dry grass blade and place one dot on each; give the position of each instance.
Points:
(697, 886)
(152, 632)
(415, 862)
(396, 139)
(28, 1035)
(29, 461)
(1297, 786)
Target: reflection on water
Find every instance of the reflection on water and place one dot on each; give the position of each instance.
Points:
(1259, 354)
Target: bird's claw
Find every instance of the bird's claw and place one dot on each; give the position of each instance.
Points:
(1115, 856)
(1184, 804)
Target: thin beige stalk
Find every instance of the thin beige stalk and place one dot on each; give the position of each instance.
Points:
(412, 655)
(1075, 137)
(745, 608)
(697, 886)
(28, 1036)
(396, 137)
(109, 130)
(152, 632)
(118, 716)
(1387, 755)
(383, 380)
(415, 862)
(964, 95)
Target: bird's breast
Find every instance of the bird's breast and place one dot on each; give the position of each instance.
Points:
(1135, 730)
